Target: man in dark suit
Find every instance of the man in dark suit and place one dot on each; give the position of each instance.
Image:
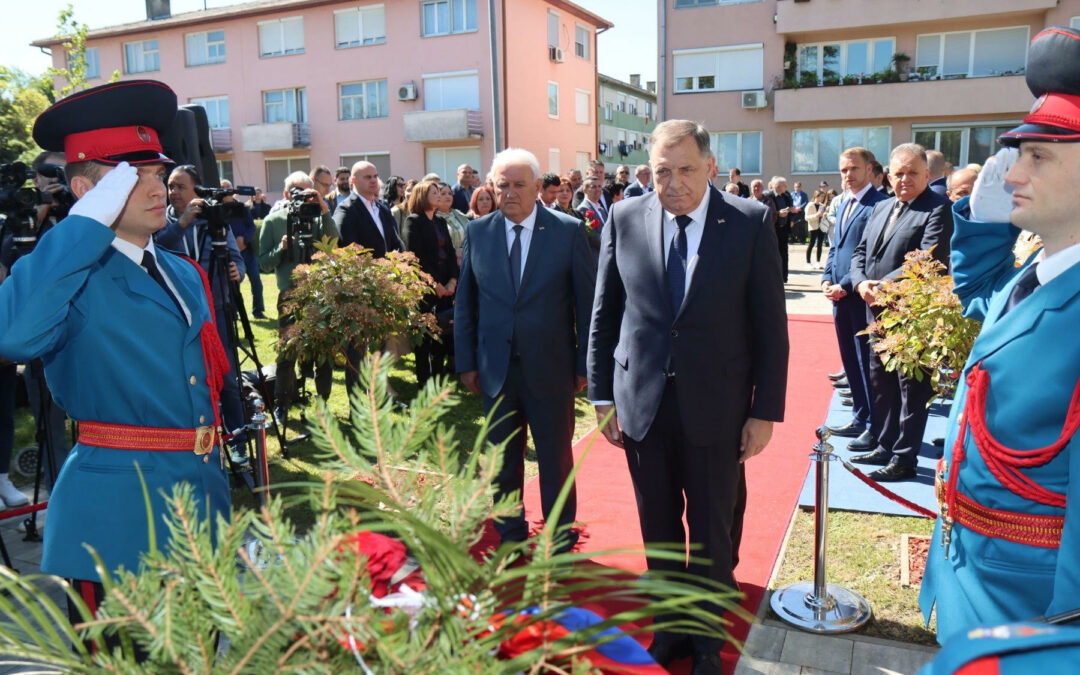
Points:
(465, 187)
(523, 302)
(849, 310)
(642, 182)
(689, 344)
(363, 219)
(935, 159)
(916, 218)
(595, 169)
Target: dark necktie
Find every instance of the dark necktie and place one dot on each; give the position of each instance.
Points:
(602, 212)
(897, 210)
(515, 258)
(1025, 286)
(676, 264)
(150, 265)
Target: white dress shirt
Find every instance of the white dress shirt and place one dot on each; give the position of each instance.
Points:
(373, 209)
(1051, 266)
(135, 254)
(693, 236)
(849, 206)
(526, 236)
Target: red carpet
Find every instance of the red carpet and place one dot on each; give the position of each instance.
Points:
(606, 503)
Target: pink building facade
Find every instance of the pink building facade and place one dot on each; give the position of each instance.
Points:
(785, 85)
(407, 84)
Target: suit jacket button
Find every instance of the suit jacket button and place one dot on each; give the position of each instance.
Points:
(674, 333)
(193, 380)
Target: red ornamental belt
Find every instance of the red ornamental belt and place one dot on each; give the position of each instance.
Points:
(201, 441)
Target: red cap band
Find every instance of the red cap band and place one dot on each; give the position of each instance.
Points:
(102, 144)
(1056, 110)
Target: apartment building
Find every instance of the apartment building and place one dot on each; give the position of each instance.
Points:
(414, 86)
(627, 115)
(785, 85)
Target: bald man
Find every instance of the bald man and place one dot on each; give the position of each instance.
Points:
(961, 183)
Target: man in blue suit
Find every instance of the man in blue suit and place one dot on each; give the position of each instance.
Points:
(1007, 544)
(126, 336)
(935, 160)
(523, 302)
(688, 354)
(849, 310)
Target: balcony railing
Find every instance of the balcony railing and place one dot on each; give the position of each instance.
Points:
(443, 125)
(221, 139)
(811, 16)
(276, 136)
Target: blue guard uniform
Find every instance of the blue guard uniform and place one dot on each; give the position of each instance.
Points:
(130, 363)
(1006, 547)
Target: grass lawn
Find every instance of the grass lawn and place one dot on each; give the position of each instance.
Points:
(863, 555)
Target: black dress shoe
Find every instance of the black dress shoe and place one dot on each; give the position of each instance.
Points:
(895, 470)
(847, 402)
(707, 664)
(845, 392)
(850, 430)
(879, 457)
(842, 383)
(836, 376)
(669, 647)
(864, 443)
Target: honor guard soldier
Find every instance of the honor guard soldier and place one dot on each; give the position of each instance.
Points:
(125, 334)
(1006, 546)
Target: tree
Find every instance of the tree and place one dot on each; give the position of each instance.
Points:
(22, 98)
(73, 34)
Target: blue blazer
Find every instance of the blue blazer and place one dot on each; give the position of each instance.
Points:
(838, 264)
(115, 349)
(1033, 360)
(549, 314)
(182, 239)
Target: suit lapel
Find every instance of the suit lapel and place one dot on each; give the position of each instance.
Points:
(883, 225)
(539, 239)
(709, 248)
(654, 229)
(135, 279)
(499, 251)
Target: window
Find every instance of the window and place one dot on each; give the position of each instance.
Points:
(217, 110)
(682, 4)
(449, 91)
(93, 62)
(581, 41)
(581, 106)
(553, 29)
(740, 149)
(553, 99)
(364, 100)
(205, 48)
(555, 160)
(281, 36)
(285, 105)
(979, 53)
(225, 170)
(581, 160)
(445, 161)
(358, 26)
(834, 60)
(962, 144)
(731, 68)
(443, 17)
(1074, 22)
(278, 169)
(818, 150)
(141, 57)
(608, 112)
(381, 160)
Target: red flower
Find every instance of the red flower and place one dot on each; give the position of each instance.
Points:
(385, 556)
(590, 217)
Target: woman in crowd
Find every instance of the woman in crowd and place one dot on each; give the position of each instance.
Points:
(482, 203)
(564, 197)
(427, 235)
(455, 220)
(400, 209)
(816, 223)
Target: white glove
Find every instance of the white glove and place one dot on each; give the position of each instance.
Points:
(991, 198)
(106, 200)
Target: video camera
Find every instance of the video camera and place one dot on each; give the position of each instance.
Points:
(302, 216)
(19, 204)
(218, 212)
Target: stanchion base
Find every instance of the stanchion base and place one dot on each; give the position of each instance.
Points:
(840, 611)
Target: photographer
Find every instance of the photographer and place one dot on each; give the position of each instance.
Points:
(188, 234)
(284, 243)
(243, 229)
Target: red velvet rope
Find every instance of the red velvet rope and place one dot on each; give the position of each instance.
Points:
(888, 494)
(22, 510)
(214, 358)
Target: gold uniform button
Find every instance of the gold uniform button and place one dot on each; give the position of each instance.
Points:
(193, 380)
(202, 419)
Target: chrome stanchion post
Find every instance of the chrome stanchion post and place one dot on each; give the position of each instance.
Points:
(818, 606)
(257, 426)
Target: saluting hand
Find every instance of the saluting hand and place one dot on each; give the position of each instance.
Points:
(106, 200)
(991, 198)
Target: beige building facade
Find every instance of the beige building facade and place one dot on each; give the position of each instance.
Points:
(786, 85)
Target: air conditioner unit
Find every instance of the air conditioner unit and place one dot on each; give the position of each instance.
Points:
(555, 54)
(753, 99)
(407, 92)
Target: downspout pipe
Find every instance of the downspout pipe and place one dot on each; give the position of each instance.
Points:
(496, 108)
(662, 74)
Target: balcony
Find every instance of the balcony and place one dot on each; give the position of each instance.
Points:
(221, 139)
(276, 136)
(443, 125)
(811, 16)
(962, 98)
(625, 120)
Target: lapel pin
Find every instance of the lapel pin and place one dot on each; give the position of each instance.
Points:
(540, 228)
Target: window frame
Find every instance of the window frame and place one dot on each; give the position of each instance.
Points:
(451, 14)
(206, 45)
(554, 115)
(360, 11)
(473, 73)
(382, 88)
(817, 170)
(965, 137)
(218, 100)
(553, 14)
(844, 45)
(714, 141)
(939, 65)
(716, 52)
(142, 55)
(585, 46)
(285, 51)
(299, 103)
(96, 72)
(588, 105)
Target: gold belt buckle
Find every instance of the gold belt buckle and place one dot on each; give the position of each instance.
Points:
(204, 441)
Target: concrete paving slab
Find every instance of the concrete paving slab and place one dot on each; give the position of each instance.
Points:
(765, 642)
(818, 651)
(751, 666)
(876, 659)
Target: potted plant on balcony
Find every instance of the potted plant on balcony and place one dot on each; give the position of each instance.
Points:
(900, 62)
(852, 79)
(808, 78)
